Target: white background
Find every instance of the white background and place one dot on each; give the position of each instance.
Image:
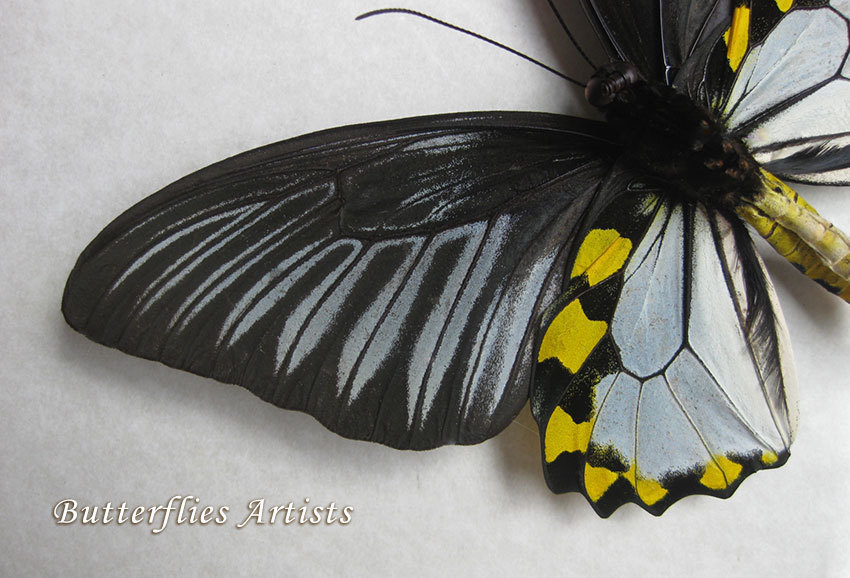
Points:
(102, 103)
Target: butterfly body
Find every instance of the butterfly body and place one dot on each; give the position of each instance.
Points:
(670, 137)
(416, 282)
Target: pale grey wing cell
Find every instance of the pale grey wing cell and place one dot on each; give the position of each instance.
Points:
(707, 378)
(382, 278)
(687, 384)
(790, 100)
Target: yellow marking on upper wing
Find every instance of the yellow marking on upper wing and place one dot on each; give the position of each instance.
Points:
(571, 337)
(565, 435)
(597, 481)
(784, 5)
(720, 472)
(738, 36)
(602, 253)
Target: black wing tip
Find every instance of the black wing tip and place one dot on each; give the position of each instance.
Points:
(81, 294)
(71, 308)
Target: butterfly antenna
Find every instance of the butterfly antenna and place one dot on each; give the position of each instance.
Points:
(569, 34)
(469, 33)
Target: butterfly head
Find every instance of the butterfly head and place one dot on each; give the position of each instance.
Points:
(609, 81)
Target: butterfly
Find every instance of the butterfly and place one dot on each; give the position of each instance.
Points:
(416, 282)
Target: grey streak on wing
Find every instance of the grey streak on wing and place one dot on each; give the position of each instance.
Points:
(484, 303)
(153, 295)
(399, 315)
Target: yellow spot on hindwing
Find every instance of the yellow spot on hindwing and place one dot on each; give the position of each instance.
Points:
(784, 5)
(602, 253)
(738, 36)
(650, 491)
(720, 473)
(769, 458)
(597, 481)
(571, 337)
(565, 435)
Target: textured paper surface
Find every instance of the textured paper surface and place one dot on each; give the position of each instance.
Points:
(103, 103)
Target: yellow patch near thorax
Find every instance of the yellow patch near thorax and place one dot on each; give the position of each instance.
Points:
(571, 337)
(565, 435)
(738, 36)
(784, 5)
(602, 253)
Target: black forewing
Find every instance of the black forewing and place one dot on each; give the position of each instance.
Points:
(629, 30)
(383, 278)
(657, 36)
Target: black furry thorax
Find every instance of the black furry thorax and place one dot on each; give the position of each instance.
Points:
(677, 141)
